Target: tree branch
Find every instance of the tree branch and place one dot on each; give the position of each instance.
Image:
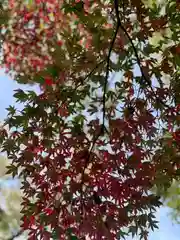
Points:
(107, 68)
(116, 3)
(104, 107)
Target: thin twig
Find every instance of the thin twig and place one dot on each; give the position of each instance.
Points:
(97, 65)
(107, 68)
(116, 3)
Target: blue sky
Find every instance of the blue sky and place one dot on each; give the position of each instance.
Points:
(167, 230)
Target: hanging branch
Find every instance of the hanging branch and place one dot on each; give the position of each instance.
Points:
(116, 4)
(104, 108)
(107, 67)
(104, 94)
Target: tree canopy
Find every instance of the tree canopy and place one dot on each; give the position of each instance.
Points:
(104, 128)
(10, 205)
(171, 197)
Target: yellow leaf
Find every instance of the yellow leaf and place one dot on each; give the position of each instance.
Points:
(41, 26)
(30, 4)
(156, 38)
(51, 17)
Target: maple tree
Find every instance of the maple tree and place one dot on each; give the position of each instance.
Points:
(90, 146)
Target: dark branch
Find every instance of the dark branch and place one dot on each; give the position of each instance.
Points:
(147, 81)
(104, 103)
(94, 69)
(104, 109)
(131, 41)
(107, 68)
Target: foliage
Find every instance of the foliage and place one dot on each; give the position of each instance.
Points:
(90, 147)
(10, 200)
(172, 200)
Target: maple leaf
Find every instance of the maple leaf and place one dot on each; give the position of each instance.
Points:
(93, 146)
